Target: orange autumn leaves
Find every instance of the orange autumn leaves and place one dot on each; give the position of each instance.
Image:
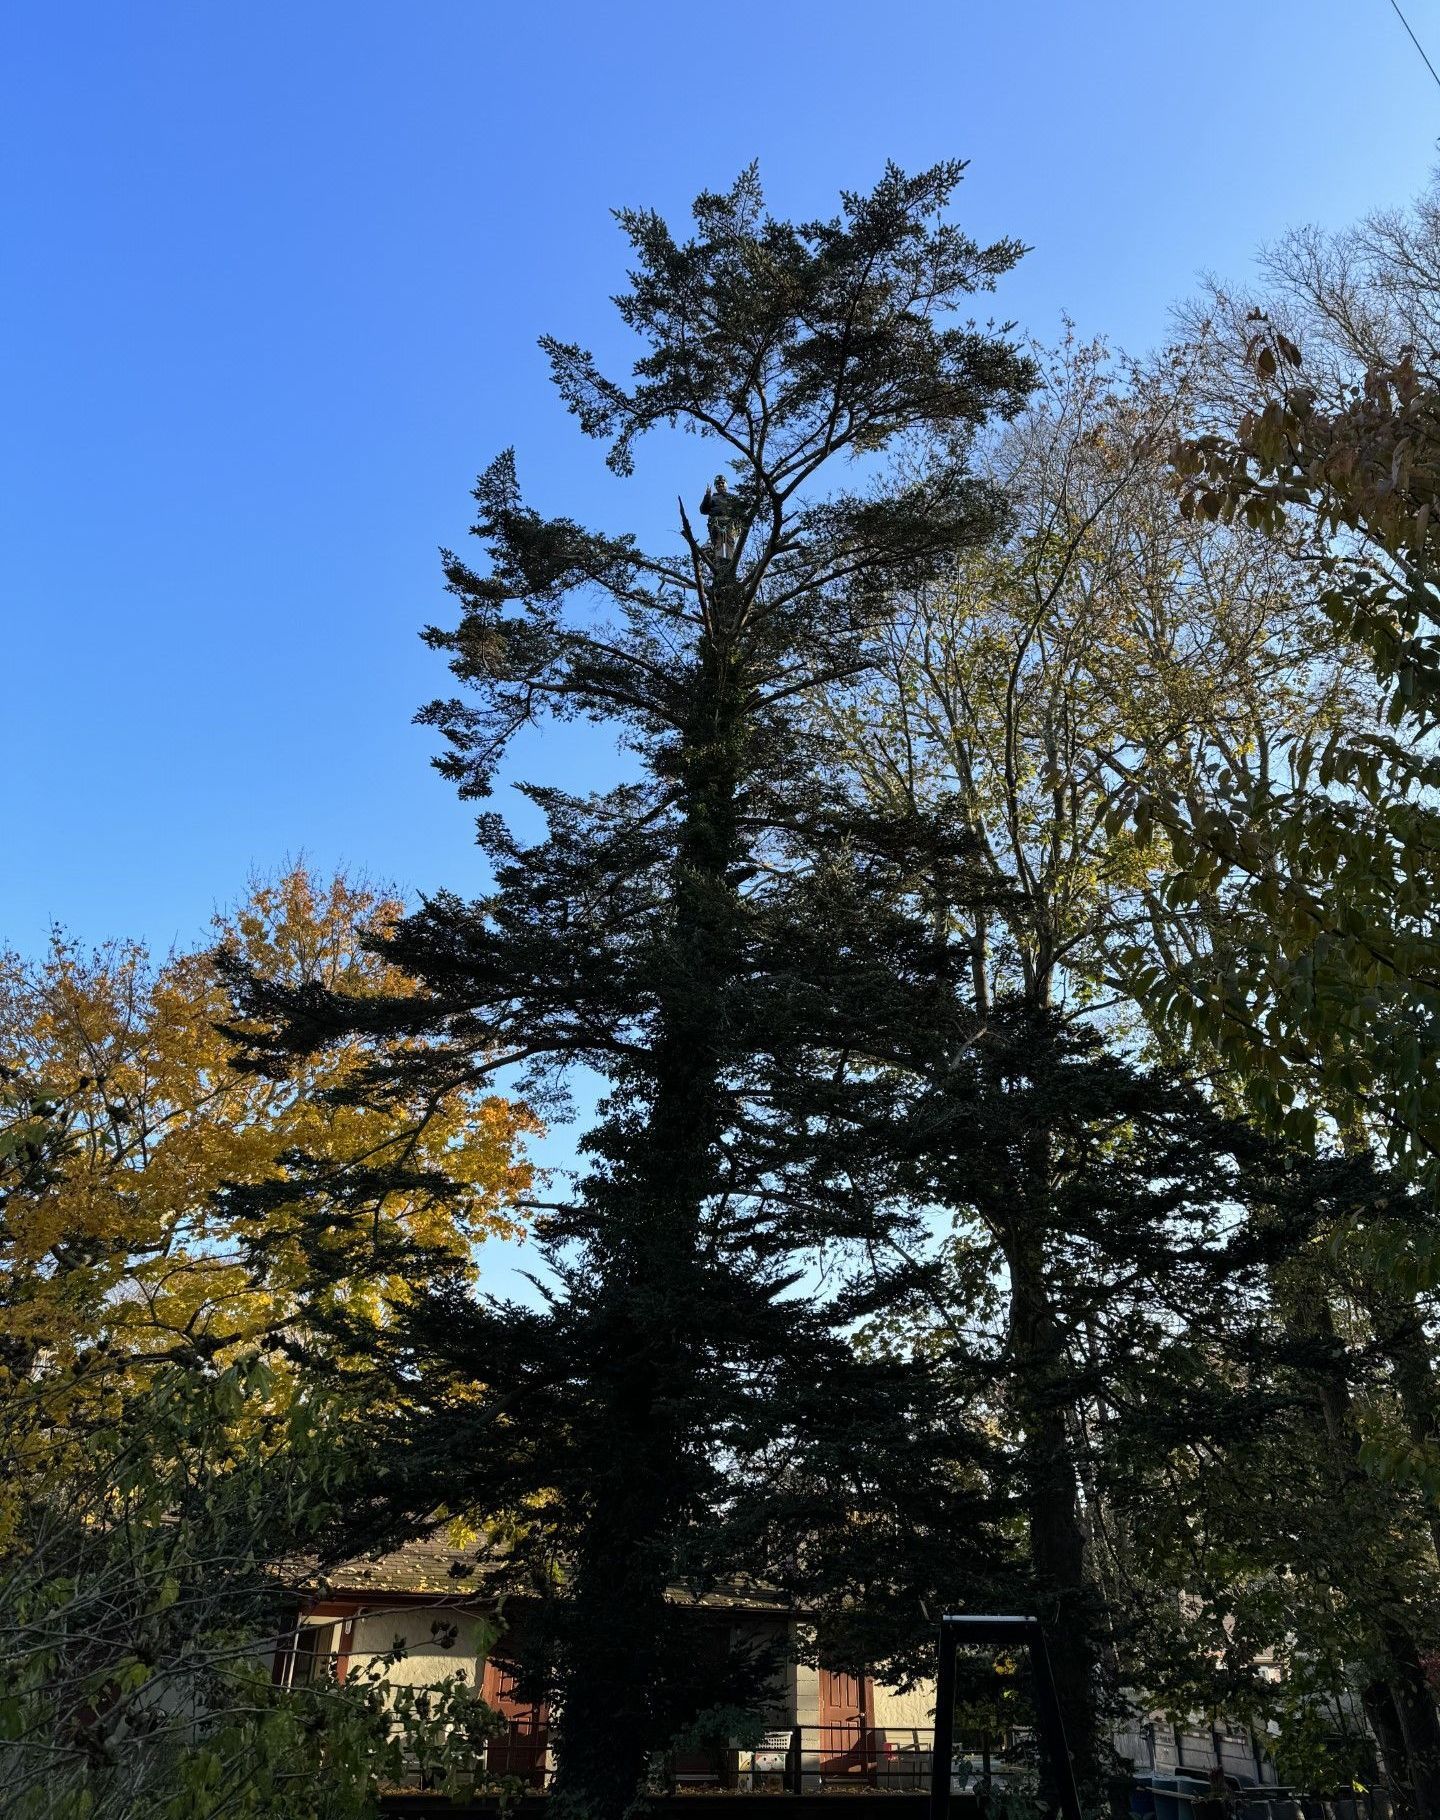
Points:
(118, 1243)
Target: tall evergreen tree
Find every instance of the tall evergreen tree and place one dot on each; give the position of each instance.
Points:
(1138, 1289)
(1090, 1202)
(683, 1394)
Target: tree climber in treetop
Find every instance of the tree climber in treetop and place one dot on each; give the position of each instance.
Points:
(724, 512)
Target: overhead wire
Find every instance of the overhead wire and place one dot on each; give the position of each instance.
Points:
(1416, 42)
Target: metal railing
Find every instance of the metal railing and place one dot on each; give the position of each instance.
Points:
(802, 1759)
(895, 1759)
(819, 1759)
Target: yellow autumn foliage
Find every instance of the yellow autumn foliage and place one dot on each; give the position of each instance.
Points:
(118, 1248)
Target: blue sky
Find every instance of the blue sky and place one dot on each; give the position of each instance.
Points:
(273, 275)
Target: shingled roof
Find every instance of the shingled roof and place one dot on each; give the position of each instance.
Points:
(427, 1565)
(431, 1566)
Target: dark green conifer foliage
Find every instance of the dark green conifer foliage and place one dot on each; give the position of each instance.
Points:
(1139, 1295)
(1095, 1206)
(1107, 1300)
(686, 1407)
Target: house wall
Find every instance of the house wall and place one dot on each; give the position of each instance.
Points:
(804, 1693)
(426, 1659)
(891, 1711)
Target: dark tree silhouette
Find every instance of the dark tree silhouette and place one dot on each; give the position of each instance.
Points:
(687, 1406)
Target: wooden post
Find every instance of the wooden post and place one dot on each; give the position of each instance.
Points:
(343, 1643)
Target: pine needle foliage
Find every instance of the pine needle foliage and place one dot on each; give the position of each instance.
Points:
(690, 1390)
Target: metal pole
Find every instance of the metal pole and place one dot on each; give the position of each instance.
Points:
(1052, 1722)
(943, 1751)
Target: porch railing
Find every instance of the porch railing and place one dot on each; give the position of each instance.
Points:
(818, 1759)
(814, 1759)
(801, 1759)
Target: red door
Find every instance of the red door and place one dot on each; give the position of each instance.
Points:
(520, 1749)
(845, 1724)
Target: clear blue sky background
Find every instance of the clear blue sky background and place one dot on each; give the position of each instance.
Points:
(272, 276)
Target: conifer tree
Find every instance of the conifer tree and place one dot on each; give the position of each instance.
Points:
(687, 1405)
(1137, 1287)
(1089, 1201)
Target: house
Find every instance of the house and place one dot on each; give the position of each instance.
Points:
(827, 1726)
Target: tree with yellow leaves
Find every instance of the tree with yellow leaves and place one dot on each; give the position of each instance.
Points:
(163, 1443)
(1103, 645)
(115, 1069)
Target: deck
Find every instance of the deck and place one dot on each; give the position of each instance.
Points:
(860, 1803)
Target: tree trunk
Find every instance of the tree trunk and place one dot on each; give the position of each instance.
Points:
(1419, 1722)
(1383, 1719)
(650, 1200)
(1412, 1742)
(605, 1732)
(1057, 1542)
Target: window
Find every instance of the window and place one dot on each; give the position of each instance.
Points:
(311, 1655)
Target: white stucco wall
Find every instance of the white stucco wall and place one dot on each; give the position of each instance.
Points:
(426, 1660)
(901, 1711)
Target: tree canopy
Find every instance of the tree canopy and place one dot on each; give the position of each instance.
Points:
(676, 1383)
(1004, 982)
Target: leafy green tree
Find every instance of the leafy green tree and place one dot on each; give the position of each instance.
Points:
(1307, 1566)
(1319, 1001)
(1321, 439)
(683, 1376)
(139, 1611)
(1105, 646)
(1334, 1006)
(1319, 435)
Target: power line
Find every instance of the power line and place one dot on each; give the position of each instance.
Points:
(1415, 41)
